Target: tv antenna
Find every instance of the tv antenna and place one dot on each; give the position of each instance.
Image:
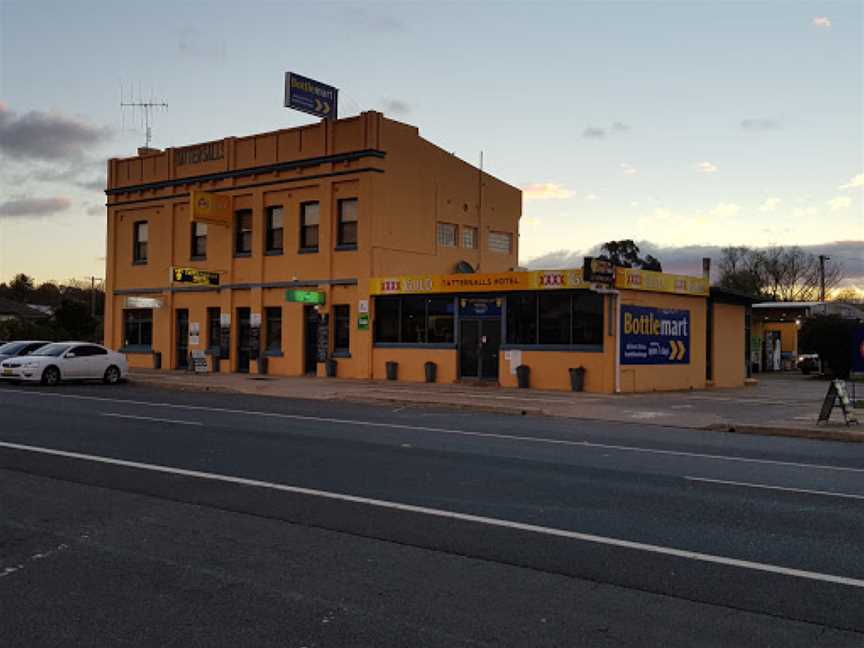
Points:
(146, 108)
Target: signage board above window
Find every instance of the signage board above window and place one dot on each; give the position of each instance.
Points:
(305, 296)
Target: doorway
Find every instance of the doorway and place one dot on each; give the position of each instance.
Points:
(479, 343)
(181, 333)
(311, 319)
(244, 339)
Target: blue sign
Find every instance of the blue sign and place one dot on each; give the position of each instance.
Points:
(653, 336)
(480, 307)
(310, 96)
(858, 350)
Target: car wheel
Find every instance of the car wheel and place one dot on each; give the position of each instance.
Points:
(112, 375)
(51, 376)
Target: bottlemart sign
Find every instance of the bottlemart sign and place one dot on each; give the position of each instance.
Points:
(304, 296)
(654, 336)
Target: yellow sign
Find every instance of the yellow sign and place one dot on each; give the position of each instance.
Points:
(195, 276)
(497, 282)
(207, 207)
(633, 279)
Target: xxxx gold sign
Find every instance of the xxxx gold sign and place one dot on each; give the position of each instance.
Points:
(497, 282)
(633, 279)
(207, 207)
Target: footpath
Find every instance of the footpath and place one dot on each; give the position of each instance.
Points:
(780, 404)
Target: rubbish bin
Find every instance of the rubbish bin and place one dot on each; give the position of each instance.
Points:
(431, 371)
(392, 370)
(577, 379)
(330, 365)
(523, 375)
(157, 359)
(262, 365)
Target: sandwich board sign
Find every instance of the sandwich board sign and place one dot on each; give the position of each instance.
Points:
(311, 96)
(837, 394)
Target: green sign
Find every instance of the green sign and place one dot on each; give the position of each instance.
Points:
(304, 296)
(363, 322)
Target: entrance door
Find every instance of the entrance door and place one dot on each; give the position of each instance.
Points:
(479, 343)
(182, 336)
(311, 320)
(244, 339)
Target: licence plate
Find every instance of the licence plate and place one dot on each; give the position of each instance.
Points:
(7, 372)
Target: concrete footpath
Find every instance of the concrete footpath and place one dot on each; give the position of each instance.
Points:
(780, 404)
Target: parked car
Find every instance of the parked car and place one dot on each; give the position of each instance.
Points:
(20, 348)
(67, 361)
(808, 362)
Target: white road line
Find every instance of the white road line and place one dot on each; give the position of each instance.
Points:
(150, 418)
(777, 488)
(453, 515)
(423, 428)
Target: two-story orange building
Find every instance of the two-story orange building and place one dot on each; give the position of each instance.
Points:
(358, 247)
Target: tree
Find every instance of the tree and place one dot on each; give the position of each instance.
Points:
(625, 254)
(21, 288)
(848, 296)
(777, 273)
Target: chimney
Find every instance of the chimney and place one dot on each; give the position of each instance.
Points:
(706, 268)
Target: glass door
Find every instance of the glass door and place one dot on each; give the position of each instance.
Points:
(182, 337)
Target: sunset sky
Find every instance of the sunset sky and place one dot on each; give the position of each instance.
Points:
(687, 125)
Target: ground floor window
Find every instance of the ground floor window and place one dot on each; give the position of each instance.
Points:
(273, 329)
(138, 329)
(414, 319)
(214, 328)
(573, 318)
(341, 328)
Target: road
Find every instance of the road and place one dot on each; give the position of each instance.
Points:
(140, 516)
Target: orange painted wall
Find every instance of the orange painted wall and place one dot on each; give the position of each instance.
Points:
(728, 347)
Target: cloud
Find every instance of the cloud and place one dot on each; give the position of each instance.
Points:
(725, 210)
(396, 107)
(761, 124)
(95, 210)
(707, 167)
(594, 133)
(821, 22)
(196, 44)
(42, 136)
(591, 196)
(98, 184)
(838, 203)
(371, 20)
(629, 169)
(855, 183)
(770, 205)
(634, 203)
(23, 207)
(620, 127)
(546, 191)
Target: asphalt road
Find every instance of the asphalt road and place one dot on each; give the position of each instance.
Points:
(134, 516)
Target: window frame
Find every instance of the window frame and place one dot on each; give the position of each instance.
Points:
(214, 344)
(574, 296)
(137, 257)
(302, 243)
(341, 243)
(399, 300)
(269, 348)
(490, 248)
(194, 238)
(240, 232)
(469, 229)
(439, 228)
(269, 231)
(341, 325)
(141, 316)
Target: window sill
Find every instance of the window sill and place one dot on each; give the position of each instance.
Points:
(273, 253)
(346, 247)
(198, 258)
(242, 255)
(273, 354)
(340, 354)
(307, 250)
(139, 261)
(136, 349)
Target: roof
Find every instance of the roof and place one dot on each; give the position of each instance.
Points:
(787, 305)
(729, 296)
(19, 310)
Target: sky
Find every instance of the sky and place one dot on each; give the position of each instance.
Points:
(686, 125)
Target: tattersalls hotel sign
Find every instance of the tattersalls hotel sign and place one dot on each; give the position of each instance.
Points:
(200, 153)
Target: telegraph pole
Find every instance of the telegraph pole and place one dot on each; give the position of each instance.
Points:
(822, 260)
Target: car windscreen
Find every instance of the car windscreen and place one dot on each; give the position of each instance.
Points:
(12, 348)
(51, 350)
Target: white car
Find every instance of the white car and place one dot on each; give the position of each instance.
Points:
(67, 361)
